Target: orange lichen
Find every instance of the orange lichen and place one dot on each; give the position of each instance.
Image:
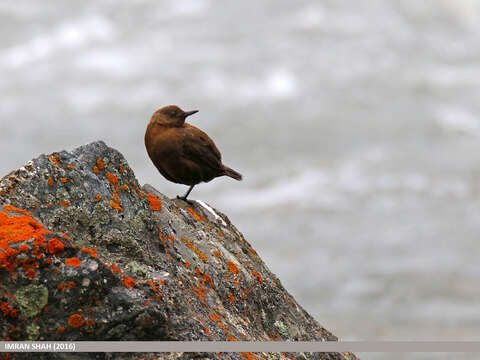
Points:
(128, 282)
(8, 311)
(248, 356)
(95, 169)
(171, 238)
(122, 170)
(200, 292)
(221, 326)
(17, 228)
(155, 203)
(112, 178)
(230, 337)
(63, 180)
(55, 246)
(214, 317)
(98, 197)
(100, 164)
(194, 214)
(231, 298)
(232, 267)
(257, 276)
(69, 167)
(30, 273)
(92, 252)
(65, 203)
(61, 329)
(73, 261)
(69, 285)
(89, 322)
(53, 160)
(50, 181)
(116, 205)
(11, 208)
(186, 264)
(23, 248)
(198, 252)
(162, 238)
(217, 254)
(114, 268)
(75, 320)
(154, 287)
(208, 279)
(137, 189)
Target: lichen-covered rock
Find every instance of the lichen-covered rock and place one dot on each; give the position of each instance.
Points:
(87, 254)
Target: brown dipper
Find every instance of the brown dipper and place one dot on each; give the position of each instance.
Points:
(181, 152)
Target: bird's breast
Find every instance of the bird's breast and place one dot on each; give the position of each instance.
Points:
(162, 142)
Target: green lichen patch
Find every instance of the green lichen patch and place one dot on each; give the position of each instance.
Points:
(31, 299)
(137, 269)
(33, 332)
(282, 329)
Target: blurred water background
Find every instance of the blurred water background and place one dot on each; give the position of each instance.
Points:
(356, 126)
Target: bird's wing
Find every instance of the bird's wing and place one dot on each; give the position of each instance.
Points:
(199, 148)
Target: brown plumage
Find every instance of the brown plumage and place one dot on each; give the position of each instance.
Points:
(181, 152)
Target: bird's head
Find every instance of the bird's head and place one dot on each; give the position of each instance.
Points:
(171, 116)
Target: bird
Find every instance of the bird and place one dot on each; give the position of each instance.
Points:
(181, 152)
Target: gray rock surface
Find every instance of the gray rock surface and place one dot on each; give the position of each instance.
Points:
(87, 254)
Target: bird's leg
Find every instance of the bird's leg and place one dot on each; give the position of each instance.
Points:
(184, 197)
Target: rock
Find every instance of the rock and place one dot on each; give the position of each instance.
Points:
(87, 254)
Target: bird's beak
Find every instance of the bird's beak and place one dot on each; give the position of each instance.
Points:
(188, 113)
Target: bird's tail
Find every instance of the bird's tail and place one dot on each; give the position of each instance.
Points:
(232, 173)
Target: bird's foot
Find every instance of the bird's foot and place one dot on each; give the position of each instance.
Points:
(184, 198)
